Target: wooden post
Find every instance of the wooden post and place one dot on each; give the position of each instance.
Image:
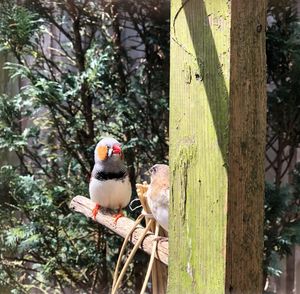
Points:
(217, 139)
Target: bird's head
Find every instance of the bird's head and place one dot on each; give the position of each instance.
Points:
(159, 172)
(108, 149)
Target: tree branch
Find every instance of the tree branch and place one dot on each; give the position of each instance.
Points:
(85, 206)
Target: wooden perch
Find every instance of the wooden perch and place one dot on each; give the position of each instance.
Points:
(85, 206)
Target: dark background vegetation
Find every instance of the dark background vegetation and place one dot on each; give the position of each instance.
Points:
(282, 222)
(87, 69)
(94, 68)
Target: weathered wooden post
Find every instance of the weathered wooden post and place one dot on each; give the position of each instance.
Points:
(217, 139)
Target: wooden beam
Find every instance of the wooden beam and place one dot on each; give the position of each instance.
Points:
(247, 141)
(85, 206)
(217, 140)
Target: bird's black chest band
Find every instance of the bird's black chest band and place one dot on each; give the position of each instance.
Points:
(102, 176)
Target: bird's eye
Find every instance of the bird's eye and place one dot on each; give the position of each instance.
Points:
(153, 170)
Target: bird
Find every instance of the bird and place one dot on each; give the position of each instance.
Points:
(109, 184)
(158, 194)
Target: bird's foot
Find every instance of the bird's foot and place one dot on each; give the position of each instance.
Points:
(95, 211)
(117, 216)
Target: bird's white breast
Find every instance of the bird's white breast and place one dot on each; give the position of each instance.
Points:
(160, 211)
(113, 194)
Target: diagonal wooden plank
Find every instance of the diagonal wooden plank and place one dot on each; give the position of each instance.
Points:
(85, 206)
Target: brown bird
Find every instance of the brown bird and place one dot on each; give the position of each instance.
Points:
(158, 194)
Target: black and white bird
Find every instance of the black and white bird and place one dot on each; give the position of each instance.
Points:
(109, 185)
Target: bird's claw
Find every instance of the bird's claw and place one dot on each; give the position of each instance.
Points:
(117, 216)
(95, 211)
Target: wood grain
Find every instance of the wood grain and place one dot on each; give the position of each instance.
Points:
(199, 93)
(217, 137)
(247, 132)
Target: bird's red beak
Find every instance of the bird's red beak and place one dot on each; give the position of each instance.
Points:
(116, 149)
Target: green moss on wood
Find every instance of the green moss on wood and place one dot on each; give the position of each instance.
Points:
(199, 135)
(202, 205)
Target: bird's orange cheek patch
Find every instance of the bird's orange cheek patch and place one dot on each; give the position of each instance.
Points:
(102, 152)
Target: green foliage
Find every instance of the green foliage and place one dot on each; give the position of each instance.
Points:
(43, 237)
(93, 79)
(283, 49)
(17, 26)
(282, 223)
(282, 226)
(283, 61)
